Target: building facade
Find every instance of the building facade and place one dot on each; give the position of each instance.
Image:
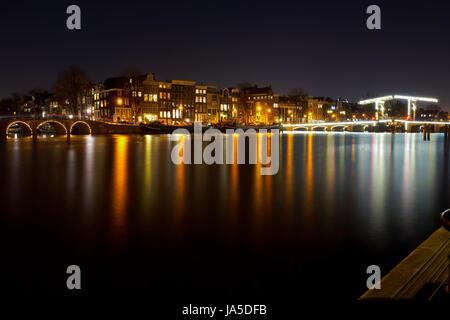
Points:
(259, 105)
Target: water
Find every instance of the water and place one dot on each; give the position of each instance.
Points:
(138, 225)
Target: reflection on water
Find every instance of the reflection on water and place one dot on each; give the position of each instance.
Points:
(119, 188)
(117, 203)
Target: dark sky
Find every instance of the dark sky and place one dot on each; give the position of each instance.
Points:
(321, 46)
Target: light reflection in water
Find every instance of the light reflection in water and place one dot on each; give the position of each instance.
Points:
(119, 188)
(309, 190)
(89, 178)
(180, 188)
(234, 182)
(289, 174)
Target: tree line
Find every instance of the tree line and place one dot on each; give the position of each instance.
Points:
(67, 88)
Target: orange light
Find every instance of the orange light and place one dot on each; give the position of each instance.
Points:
(269, 110)
(119, 101)
(259, 108)
(180, 108)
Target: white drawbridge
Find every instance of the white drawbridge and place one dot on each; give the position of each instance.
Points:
(412, 103)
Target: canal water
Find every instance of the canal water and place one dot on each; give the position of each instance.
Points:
(138, 225)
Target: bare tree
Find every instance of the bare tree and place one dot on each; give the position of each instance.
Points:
(69, 85)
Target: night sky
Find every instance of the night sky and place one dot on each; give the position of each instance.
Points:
(321, 46)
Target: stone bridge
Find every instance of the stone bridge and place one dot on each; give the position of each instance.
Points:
(65, 126)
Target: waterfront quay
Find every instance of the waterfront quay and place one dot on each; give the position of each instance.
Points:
(26, 126)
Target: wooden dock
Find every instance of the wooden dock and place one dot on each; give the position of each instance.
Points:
(426, 266)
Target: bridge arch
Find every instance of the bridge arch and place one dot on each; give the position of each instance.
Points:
(319, 128)
(59, 125)
(77, 125)
(334, 128)
(416, 128)
(23, 125)
(301, 129)
(360, 127)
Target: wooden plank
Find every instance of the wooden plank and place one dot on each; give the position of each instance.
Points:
(429, 262)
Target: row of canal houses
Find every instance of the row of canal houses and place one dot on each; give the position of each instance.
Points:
(144, 99)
